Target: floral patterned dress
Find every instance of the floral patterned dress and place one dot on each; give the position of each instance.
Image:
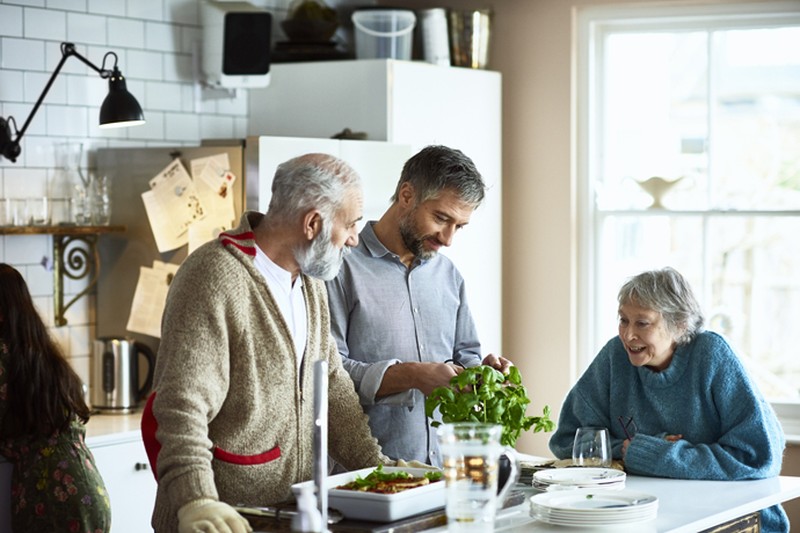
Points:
(55, 485)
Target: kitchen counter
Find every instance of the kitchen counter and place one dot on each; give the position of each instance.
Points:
(107, 429)
(684, 507)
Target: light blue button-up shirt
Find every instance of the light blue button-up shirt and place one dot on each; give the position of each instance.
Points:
(384, 313)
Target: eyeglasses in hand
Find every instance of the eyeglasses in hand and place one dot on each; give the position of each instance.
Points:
(628, 426)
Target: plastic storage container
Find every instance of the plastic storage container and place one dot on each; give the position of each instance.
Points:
(384, 33)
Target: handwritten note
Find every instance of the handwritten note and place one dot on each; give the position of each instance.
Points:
(172, 205)
(150, 297)
(214, 181)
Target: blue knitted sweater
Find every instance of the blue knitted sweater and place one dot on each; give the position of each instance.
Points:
(729, 430)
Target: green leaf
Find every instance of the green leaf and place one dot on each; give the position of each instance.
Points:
(483, 394)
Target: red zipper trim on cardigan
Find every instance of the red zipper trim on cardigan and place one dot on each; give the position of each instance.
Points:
(228, 239)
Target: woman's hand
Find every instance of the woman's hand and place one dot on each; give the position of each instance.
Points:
(668, 438)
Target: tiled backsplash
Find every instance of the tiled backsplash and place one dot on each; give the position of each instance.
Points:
(155, 42)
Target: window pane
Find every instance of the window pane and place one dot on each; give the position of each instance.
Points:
(655, 118)
(755, 155)
(753, 296)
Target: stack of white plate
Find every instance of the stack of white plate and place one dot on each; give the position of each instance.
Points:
(579, 478)
(593, 508)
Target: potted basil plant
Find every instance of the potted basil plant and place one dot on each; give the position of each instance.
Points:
(483, 394)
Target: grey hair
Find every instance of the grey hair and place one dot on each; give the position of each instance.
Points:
(436, 168)
(667, 292)
(310, 181)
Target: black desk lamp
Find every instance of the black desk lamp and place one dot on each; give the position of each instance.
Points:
(119, 108)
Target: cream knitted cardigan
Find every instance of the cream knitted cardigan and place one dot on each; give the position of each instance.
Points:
(234, 417)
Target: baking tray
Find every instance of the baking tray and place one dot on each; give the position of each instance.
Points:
(371, 506)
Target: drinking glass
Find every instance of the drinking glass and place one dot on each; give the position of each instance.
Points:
(17, 211)
(38, 210)
(592, 447)
(470, 456)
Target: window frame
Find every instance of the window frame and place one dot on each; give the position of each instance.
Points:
(591, 24)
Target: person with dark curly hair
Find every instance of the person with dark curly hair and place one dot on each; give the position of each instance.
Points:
(55, 484)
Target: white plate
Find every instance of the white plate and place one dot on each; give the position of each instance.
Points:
(594, 500)
(376, 507)
(593, 507)
(594, 524)
(579, 476)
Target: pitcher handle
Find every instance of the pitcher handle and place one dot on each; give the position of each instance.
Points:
(513, 476)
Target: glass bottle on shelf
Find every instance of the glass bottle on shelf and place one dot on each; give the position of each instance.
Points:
(67, 188)
(100, 200)
(70, 184)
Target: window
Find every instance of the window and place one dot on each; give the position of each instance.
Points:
(706, 101)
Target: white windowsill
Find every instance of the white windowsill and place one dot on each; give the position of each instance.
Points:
(789, 416)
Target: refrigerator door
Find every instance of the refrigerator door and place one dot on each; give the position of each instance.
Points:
(378, 163)
(263, 156)
(122, 255)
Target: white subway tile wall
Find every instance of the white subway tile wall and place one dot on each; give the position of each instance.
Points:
(155, 42)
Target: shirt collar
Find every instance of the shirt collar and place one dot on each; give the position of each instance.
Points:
(278, 274)
(371, 242)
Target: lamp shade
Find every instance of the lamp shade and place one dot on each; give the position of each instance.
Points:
(120, 108)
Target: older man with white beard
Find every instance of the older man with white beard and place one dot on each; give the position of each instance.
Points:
(231, 416)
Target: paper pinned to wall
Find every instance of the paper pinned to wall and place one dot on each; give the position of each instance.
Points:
(203, 231)
(172, 205)
(191, 208)
(150, 298)
(214, 182)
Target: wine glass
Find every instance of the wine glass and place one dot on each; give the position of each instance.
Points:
(592, 447)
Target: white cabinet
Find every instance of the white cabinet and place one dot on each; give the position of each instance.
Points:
(129, 480)
(417, 104)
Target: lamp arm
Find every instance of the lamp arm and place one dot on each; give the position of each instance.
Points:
(67, 50)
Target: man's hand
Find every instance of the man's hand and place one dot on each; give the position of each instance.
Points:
(422, 376)
(498, 363)
(211, 516)
(413, 463)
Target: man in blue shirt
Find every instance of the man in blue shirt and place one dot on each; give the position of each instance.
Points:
(399, 309)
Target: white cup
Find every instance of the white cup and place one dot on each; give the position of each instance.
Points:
(592, 447)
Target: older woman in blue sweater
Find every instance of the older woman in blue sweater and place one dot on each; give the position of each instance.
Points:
(681, 394)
